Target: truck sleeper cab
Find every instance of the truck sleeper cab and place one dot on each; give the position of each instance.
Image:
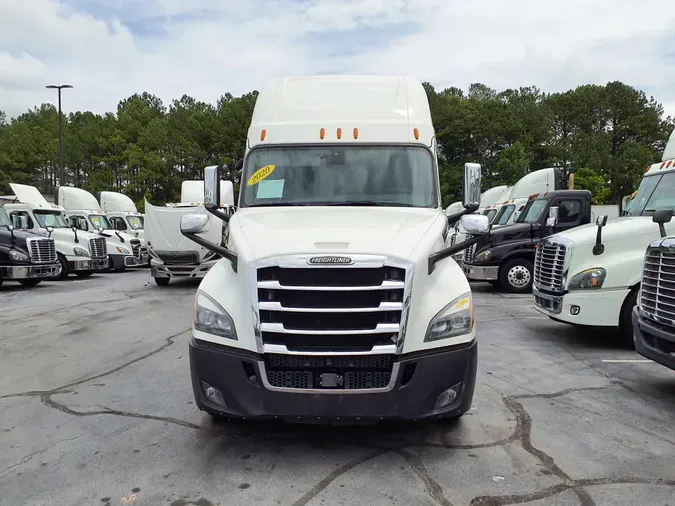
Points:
(653, 316)
(79, 253)
(506, 258)
(336, 296)
(25, 257)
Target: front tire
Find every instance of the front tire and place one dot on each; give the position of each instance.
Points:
(65, 270)
(84, 274)
(162, 281)
(29, 282)
(626, 320)
(516, 275)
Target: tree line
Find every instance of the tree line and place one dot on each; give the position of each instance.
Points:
(606, 135)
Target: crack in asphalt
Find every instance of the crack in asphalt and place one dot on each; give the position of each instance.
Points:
(520, 434)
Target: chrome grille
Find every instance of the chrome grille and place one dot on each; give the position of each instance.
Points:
(453, 239)
(469, 252)
(135, 246)
(98, 247)
(42, 251)
(330, 308)
(657, 297)
(179, 257)
(549, 264)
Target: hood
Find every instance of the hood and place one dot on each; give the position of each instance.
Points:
(385, 231)
(616, 228)
(162, 229)
(513, 232)
(19, 235)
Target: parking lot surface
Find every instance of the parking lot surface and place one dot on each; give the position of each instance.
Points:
(97, 409)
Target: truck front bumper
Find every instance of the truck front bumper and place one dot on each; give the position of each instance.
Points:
(120, 261)
(87, 264)
(593, 308)
(419, 387)
(481, 273)
(653, 341)
(17, 272)
(159, 270)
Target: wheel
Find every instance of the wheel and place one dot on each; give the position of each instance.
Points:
(516, 275)
(626, 319)
(84, 274)
(162, 281)
(65, 270)
(30, 282)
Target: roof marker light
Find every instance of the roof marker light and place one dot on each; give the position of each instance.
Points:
(339, 133)
(263, 134)
(416, 133)
(322, 133)
(356, 133)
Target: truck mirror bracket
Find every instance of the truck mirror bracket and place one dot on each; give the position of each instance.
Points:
(599, 248)
(224, 252)
(451, 250)
(218, 213)
(454, 218)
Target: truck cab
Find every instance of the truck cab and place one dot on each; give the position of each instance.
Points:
(84, 213)
(25, 257)
(336, 296)
(506, 257)
(591, 275)
(78, 252)
(122, 214)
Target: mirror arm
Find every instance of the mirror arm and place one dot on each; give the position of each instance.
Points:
(662, 230)
(451, 250)
(599, 248)
(214, 210)
(224, 252)
(454, 218)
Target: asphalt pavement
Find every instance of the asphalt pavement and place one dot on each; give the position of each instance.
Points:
(97, 409)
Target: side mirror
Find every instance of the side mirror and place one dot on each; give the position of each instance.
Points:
(662, 216)
(471, 195)
(10, 228)
(475, 224)
(99, 230)
(211, 186)
(194, 223)
(239, 165)
(601, 221)
(50, 229)
(552, 219)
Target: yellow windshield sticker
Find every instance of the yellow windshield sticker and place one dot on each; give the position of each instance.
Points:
(260, 174)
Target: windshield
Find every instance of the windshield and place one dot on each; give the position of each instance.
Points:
(356, 175)
(99, 221)
(50, 219)
(655, 192)
(4, 219)
(504, 214)
(532, 211)
(135, 222)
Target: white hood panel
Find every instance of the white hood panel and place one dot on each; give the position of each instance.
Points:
(386, 231)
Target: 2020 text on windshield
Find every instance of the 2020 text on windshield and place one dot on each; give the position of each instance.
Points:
(397, 176)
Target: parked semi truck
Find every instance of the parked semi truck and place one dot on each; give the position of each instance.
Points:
(122, 214)
(78, 252)
(172, 255)
(25, 257)
(591, 275)
(84, 213)
(336, 296)
(506, 257)
(654, 314)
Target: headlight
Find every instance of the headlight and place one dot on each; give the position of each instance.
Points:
(483, 256)
(209, 317)
(589, 279)
(455, 319)
(18, 256)
(122, 250)
(80, 252)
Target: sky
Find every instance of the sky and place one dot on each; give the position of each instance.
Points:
(111, 49)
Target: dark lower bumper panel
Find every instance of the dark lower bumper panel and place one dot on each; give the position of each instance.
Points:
(653, 341)
(237, 376)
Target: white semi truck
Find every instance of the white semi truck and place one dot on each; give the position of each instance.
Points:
(84, 213)
(591, 275)
(80, 253)
(171, 254)
(336, 296)
(122, 213)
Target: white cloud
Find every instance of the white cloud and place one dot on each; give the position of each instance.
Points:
(109, 49)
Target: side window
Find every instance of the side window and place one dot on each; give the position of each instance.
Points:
(21, 220)
(569, 212)
(118, 223)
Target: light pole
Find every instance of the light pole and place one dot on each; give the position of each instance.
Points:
(62, 172)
